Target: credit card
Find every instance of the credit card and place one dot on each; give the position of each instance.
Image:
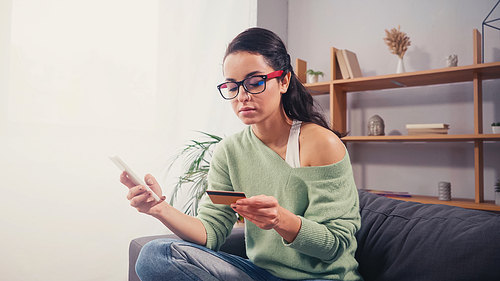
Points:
(225, 197)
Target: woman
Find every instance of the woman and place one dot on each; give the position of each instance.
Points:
(301, 209)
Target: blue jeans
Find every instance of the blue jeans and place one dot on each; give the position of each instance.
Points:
(172, 259)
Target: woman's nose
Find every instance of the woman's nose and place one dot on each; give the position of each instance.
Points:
(243, 94)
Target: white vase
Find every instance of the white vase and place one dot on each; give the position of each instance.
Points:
(312, 78)
(497, 198)
(495, 129)
(401, 66)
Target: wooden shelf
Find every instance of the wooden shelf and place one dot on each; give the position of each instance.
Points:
(423, 138)
(422, 78)
(476, 73)
(320, 88)
(459, 202)
(409, 79)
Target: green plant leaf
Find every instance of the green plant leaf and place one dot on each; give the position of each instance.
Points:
(195, 159)
(312, 72)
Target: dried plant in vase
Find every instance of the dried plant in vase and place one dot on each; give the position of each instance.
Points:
(398, 43)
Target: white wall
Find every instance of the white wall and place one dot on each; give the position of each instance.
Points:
(84, 80)
(436, 29)
(273, 15)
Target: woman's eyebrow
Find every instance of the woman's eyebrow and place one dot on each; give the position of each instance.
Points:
(248, 75)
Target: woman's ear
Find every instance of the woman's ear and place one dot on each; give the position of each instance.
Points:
(285, 82)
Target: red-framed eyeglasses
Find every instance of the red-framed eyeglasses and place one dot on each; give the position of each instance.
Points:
(253, 85)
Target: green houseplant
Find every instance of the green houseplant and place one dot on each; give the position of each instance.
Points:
(495, 127)
(312, 76)
(195, 157)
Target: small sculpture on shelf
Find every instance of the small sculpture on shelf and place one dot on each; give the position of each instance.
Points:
(376, 126)
(444, 191)
(452, 60)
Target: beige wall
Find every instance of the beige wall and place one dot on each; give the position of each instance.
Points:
(436, 29)
(84, 80)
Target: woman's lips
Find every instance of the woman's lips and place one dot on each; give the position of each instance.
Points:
(246, 110)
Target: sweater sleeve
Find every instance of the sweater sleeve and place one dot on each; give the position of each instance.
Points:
(217, 219)
(332, 216)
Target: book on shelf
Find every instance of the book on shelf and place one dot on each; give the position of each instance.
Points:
(388, 193)
(348, 64)
(427, 131)
(428, 126)
(352, 64)
(342, 65)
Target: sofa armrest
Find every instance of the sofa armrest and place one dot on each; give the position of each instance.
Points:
(235, 244)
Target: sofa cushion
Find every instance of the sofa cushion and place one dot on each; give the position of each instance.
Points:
(401, 240)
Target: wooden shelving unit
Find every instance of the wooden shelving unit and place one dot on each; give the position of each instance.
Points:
(410, 79)
(424, 138)
(464, 203)
(338, 88)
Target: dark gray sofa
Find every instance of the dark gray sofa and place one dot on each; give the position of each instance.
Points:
(407, 241)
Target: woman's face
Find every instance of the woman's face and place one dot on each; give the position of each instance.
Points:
(254, 108)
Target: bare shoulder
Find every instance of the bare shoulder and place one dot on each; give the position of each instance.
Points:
(319, 146)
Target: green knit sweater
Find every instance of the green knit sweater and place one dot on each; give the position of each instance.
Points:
(325, 198)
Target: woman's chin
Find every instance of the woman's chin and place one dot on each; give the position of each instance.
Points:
(247, 121)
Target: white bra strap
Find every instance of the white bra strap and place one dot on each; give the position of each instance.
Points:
(292, 148)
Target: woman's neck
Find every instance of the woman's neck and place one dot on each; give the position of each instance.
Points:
(274, 133)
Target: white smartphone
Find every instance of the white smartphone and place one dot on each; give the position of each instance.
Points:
(132, 176)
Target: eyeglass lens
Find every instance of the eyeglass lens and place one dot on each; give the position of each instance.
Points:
(253, 85)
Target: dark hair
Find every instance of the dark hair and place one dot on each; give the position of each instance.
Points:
(297, 102)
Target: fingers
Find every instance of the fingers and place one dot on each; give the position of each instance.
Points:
(150, 180)
(260, 201)
(261, 210)
(136, 191)
(153, 184)
(141, 198)
(124, 179)
(257, 213)
(258, 205)
(262, 220)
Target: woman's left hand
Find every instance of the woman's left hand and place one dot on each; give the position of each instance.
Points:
(266, 213)
(263, 211)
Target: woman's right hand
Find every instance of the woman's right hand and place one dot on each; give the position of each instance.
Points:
(186, 227)
(140, 198)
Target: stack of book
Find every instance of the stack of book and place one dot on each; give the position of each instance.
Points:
(388, 193)
(348, 64)
(427, 129)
